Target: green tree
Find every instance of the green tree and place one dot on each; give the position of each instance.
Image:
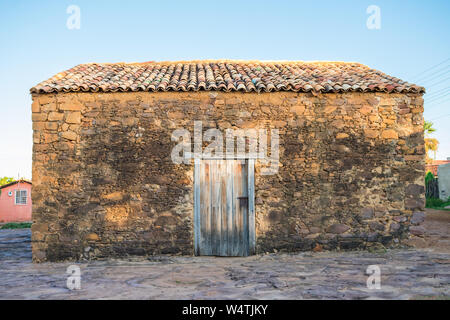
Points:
(429, 177)
(428, 127)
(6, 180)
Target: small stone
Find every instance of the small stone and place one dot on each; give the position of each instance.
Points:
(418, 217)
(412, 204)
(92, 237)
(55, 116)
(376, 226)
(129, 121)
(338, 228)
(176, 115)
(373, 101)
(39, 255)
(373, 236)
(341, 136)
(35, 106)
(298, 110)
(279, 123)
(69, 107)
(417, 230)
(39, 125)
(366, 109)
(414, 157)
(339, 124)
(39, 116)
(114, 196)
(394, 226)
(69, 135)
(414, 190)
(49, 138)
(314, 230)
(329, 109)
(74, 117)
(342, 148)
(369, 133)
(403, 111)
(389, 134)
(51, 125)
(417, 110)
(367, 213)
(318, 248)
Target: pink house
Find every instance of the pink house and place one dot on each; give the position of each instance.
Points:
(15, 201)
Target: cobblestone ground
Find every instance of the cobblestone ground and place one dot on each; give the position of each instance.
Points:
(422, 273)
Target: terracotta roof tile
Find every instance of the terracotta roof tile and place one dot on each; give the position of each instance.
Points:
(225, 75)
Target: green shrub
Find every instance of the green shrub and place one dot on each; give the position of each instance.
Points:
(429, 177)
(16, 225)
(437, 203)
(433, 202)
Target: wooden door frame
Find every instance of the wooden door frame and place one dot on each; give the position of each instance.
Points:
(251, 205)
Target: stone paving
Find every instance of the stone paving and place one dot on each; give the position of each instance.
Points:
(405, 274)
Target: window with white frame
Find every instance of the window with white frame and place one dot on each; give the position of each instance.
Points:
(21, 196)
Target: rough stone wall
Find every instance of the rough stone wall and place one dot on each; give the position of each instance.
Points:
(350, 176)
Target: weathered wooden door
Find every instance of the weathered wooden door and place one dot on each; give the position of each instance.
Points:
(224, 222)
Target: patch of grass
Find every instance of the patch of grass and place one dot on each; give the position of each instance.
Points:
(16, 225)
(377, 248)
(434, 203)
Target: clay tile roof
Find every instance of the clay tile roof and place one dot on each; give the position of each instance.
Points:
(225, 75)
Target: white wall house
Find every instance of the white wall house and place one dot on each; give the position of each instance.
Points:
(444, 181)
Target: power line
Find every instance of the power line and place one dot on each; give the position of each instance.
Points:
(437, 94)
(434, 104)
(440, 117)
(438, 97)
(442, 81)
(434, 75)
(425, 71)
(427, 75)
(429, 95)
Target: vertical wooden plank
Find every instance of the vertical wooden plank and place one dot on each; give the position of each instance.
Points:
(215, 218)
(235, 213)
(238, 182)
(203, 207)
(212, 172)
(229, 213)
(224, 210)
(197, 205)
(251, 207)
(206, 214)
(244, 209)
(239, 209)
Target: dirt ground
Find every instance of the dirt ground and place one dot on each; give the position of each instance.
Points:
(416, 273)
(437, 231)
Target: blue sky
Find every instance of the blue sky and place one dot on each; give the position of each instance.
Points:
(36, 44)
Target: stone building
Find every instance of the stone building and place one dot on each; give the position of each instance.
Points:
(343, 144)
